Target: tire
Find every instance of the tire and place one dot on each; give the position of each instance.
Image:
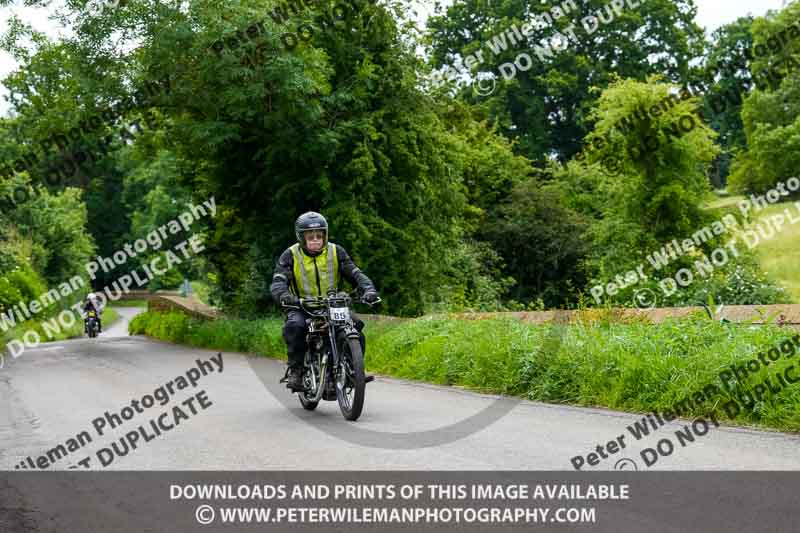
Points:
(308, 405)
(352, 357)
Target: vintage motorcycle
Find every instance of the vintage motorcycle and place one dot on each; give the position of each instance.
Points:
(334, 363)
(91, 324)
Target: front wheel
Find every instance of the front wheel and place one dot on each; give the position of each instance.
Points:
(350, 383)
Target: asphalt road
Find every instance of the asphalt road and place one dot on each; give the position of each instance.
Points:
(54, 393)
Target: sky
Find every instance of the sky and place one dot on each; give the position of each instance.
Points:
(711, 15)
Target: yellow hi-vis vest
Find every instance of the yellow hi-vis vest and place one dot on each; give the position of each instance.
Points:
(315, 276)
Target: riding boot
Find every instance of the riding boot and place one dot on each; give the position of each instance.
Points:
(294, 379)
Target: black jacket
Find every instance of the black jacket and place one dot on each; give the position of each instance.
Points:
(283, 277)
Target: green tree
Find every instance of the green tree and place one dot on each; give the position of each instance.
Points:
(153, 195)
(727, 74)
(545, 108)
(337, 124)
(770, 113)
(663, 155)
(57, 224)
(543, 243)
(75, 116)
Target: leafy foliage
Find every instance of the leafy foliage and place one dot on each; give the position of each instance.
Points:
(727, 73)
(543, 241)
(546, 108)
(57, 224)
(770, 113)
(658, 195)
(447, 202)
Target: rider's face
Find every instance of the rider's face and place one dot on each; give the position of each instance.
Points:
(314, 240)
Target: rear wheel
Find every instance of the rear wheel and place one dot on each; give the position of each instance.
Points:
(307, 394)
(308, 405)
(350, 384)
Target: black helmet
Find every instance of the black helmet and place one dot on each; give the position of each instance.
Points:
(309, 221)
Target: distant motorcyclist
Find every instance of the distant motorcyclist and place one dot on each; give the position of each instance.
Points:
(309, 268)
(92, 303)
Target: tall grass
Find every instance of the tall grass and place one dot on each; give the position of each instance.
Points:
(249, 336)
(632, 367)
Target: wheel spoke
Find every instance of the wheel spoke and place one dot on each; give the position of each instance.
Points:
(347, 387)
(350, 396)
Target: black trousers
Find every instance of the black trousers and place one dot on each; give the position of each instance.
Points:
(294, 333)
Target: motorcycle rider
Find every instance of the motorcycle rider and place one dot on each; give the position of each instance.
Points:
(92, 303)
(309, 268)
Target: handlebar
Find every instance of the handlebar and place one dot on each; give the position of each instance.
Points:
(318, 301)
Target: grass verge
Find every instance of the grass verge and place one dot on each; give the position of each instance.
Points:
(109, 316)
(629, 367)
(780, 255)
(724, 202)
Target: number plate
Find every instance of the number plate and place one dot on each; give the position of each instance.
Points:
(91, 313)
(340, 314)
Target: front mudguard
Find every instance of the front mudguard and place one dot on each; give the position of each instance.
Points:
(350, 332)
(346, 332)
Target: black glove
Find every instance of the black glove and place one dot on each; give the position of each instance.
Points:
(290, 299)
(371, 296)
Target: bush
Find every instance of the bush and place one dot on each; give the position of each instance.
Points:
(542, 243)
(22, 284)
(744, 179)
(735, 283)
(250, 336)
(31, 286)
(628, 366)
(740, 284)
(10, 295)
(57, 226)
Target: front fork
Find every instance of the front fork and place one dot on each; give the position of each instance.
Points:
(334, 345)
(347, 331)
(323, 366)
